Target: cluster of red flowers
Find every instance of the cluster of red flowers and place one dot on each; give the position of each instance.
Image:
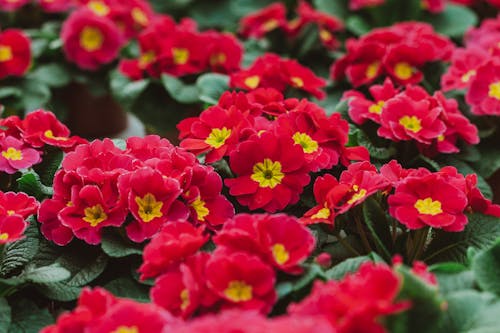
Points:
(15, 208)
(22, 141)
(434, 122)
(274, 17)
(95, 32)
(272, 143)
(240, 273)
(421, 198)
(100, 184)
(399, 51)
(271, 71)
(179, 49)
(476, 68)
(15, 53)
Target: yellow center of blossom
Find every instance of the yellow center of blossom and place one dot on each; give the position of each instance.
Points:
(94, 215)
(376, 108)
(184, 299)
(4, 236)
(358, 195)
(218, 58)
(280, 254)
(238, 291)
(146, 58)
(403, 70)
(149, 208)
(217, 137)
(180, 56)
(267, 173)
(325, 35)
(297, 82)
(467, 76)
(306, 142)
(11, 212)
(49, 134)
(139, 17)
(126, 329)
(372, 70)
(5, 53)
(428, 206)
(91, 39)
(12, 154)
(201, 210)
(494, 90)
(98, 7)
(323, 213)
(270, 25)
(412, 123)
(440, 138)
(252, 82)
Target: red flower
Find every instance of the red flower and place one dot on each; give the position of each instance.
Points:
(357, 303)
(11, 228)
(224, 52)
(12, 203)
(12, 5)
(15, 156)
(429, 201)
(484, 92)
(183, 53)
(434, 6)
(271, 172)
(174, 243)
(15, 53)
(55, 6)
(242, 280)
(358, 4)
(327, 24)
(464, 65)
(322, 212)
(258, 24)
(90, 40)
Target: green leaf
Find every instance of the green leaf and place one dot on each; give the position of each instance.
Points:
(378, 224)
(127, 287)
(481, 232)
(308, 277)
(31, 184)
(35, 94)
(379, 153)
(182, 93)
(27, 317)
(59, 291)
(116, 246)
(350, 265)
(125, 91)
(46, 274)
(357, 25)
(52, 75)
(211, 86)
(51, 162)
(452, 276)
(120, 143)
(10, 92)
(334, 7)
(453, 21)
(19, 253)
(486, 267)
(489, 163)
(5, 314)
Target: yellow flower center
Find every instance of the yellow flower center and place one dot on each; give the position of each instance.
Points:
(201, 210)
(217, 59)
(12, 154)
(180, 56)
(11, 212)
(297, 82)
(139, 17)
(98, 7)
(146, 58)
(49, 134)
(403, 70)
(149, 208)
(184, 299)
(252, 82)
(94, 215)
(267, 173)
(306, 142)
(126, 329)
(372, 70)
(440, 138)
(467, 76)
(217, 137)
(238, 291)
(376, 108)
(323, 213)
(358, 195)
(411, 123)
(428, 206)
(494, 90)
(325, 35)
(270, 25)
(5, 53)
(4, 236)
(91, 39)
(280, 254)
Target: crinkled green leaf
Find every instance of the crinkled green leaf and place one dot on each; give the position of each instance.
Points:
(46, 274)
(211, 86)
(486, 268)
(27, 317)
(52, 74)
(179, 91)
(453, 21)
(114, 245)
(127, 287)
(5, 313)
(19, 253)
(31, 184)
(350, 265)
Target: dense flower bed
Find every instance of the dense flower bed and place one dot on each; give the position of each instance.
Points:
(332, 166)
